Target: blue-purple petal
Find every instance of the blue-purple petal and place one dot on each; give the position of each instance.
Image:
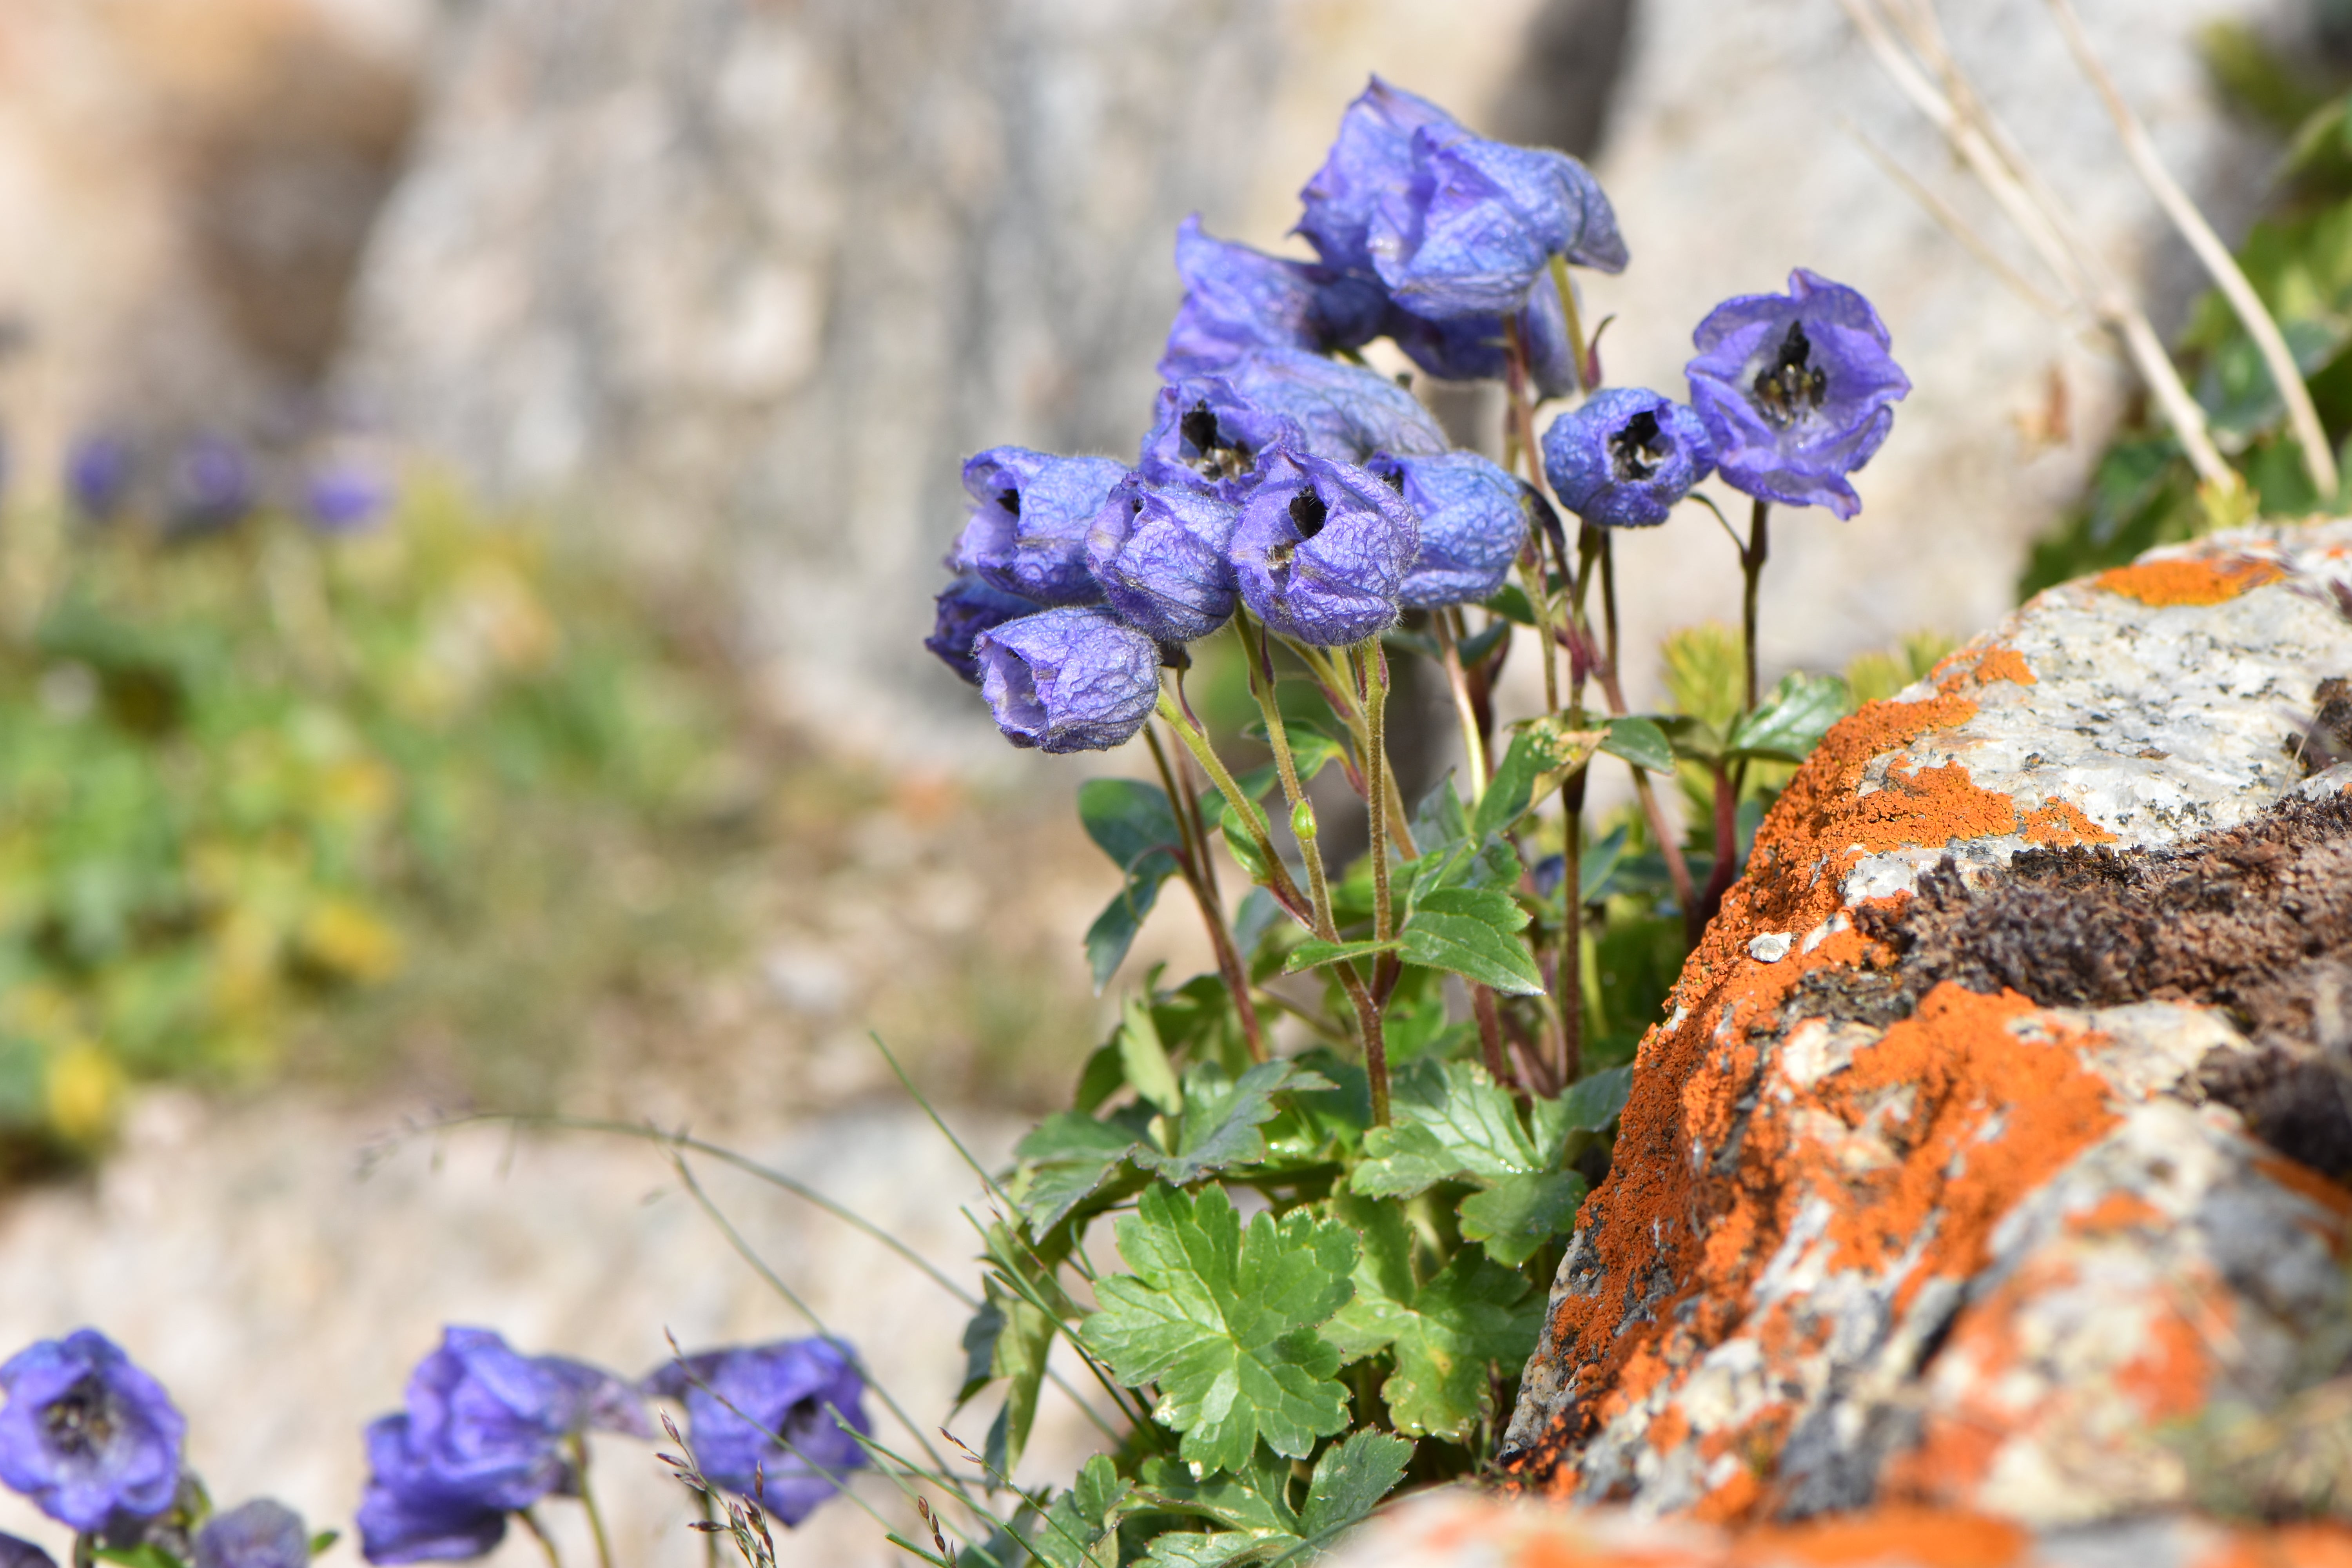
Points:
(1075, 679)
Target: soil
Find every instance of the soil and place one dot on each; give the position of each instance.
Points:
(2256, 920)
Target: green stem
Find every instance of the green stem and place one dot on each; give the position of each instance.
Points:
(709, 1537)
(588, 1503)
(1575, 321)
(1200, 875)
(1571, 971)
(1254, 823)
(546, 1541)
(1376, 1052)
(1473, 744)
(1302, 810)
(1751, 567)
(1372, 662)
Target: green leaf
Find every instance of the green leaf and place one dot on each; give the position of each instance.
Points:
(1479, 645)
(1443, 1334)
(1791, 719)
(1470, 932)
(323, 1540)
(1014, 1336)
(1101, 1077)
(1541, 753)
(1351, 1478)
(146, 1554)
(1144, 1060)
(1132, 823)
(1519, 1214)
(1258, 915)
(1692, 738)
(1312, 748)
(1193, 1549)
(1639, 741)
(1223, 1319)
(1255, 1499)
(1244, 849)
(1493, 864)
(1598, 862)
(1314, 954)
(1063, 1161)
(1591, 1104)
(1074, 1533)
(1439, 820)
(1221, 1118)
(1510, 602)
(1449, 1121)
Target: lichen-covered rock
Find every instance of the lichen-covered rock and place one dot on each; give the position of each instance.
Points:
(1999, 1125)
(1463, 1529)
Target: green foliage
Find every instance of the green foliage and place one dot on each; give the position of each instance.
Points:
(252, 782)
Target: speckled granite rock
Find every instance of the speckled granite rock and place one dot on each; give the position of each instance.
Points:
(1464, 1531)
(1994, 1123)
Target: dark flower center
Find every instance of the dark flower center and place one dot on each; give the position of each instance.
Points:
(1638, 448)
(1199, 427)
(81, 1420)
(1010, 500)
(1308, 512)
(1791, 386)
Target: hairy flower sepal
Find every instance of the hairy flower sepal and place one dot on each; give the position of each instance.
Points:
(1159, 552)
(1031, 510)
(1625, 458)
(1796, 390)
(1069, 679)
(1222, 1317)
(88, 1434)
(1322, 549)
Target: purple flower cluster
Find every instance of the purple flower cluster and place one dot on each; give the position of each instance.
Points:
(209, 482)
(778, 1423)
(485, 1433)
(1280, 474)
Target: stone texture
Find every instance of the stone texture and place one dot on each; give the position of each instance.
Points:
(1463, 1529)
(1881, 1229)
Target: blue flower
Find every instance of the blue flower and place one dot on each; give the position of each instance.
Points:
(1069, 679)
(1029, 514)
(86, 1434)
(739, 1401)
(211, 485)
(1796, 391)
(1206, 436)
(1321, 550)
(1159, 552)
(1472, 230)
(967, 607)
(1370, 157)
(100, 469)
(345, 495)
(1625, 458)
(1474, 519)
(1238, 299)
(483, 1434)
(1471, 348)
(1345, 412)
(15, 1551)
(263, 1533)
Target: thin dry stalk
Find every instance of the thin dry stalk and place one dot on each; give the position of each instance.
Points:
(2230, 279)
(1978, 138)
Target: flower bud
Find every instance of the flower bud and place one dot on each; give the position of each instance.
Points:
(1238, 299)
(263, 1533)
(1321, 550)
(1069, 679)
(1472, 520)
(1624, 458)
(1028, 533)
(1159, 552)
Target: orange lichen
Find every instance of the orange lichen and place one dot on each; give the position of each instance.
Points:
(1954, 671)
(2284, 1546)
(1927, 807)
(2311, 1185)
(1667, 1432)
(1926, 1538)
(2061, 824)
(2172, 1374)
(2167, 583)
(1970, 1118)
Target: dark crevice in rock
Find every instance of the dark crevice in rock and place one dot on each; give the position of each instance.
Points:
(2255, 919)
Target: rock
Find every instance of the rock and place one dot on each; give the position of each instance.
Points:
(185, 187)
(1464, 1530)
(2025, 1154)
